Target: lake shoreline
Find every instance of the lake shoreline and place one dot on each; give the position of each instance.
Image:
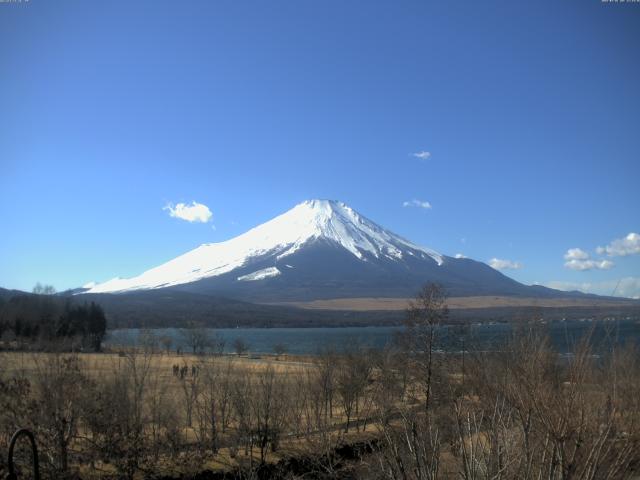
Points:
(311, 340)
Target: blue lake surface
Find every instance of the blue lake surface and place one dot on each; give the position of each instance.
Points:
(308, 341)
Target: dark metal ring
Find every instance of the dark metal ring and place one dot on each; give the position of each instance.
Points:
(34, 449)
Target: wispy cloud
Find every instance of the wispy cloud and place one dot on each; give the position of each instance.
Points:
(422, 155)
(621, 247)
(576, 254)
(417, 203)
(500, 264)
(460, 255)
(196, 212)
(582, 265)
(625, 287)
(578, 259)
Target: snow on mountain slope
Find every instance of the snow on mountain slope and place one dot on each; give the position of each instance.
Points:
(260, 274)
(331, 221)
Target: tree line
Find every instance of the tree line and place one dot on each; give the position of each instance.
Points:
(43, 319)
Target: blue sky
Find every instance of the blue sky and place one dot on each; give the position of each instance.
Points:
(109, 111)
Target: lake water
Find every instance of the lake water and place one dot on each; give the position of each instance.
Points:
(306, 341)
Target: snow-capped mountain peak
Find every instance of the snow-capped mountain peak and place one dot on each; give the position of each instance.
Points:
(328, 221)
(337, 222)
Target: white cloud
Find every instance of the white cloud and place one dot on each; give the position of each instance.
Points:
(621, 247)
(625, 287)
(460, 255)
(578, 259)
(576, 254)
(499, 264)
(582, 265)
(196, 212)
(422, 155)
(417, 203)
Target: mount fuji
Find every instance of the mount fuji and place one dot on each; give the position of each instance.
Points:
(320, 249)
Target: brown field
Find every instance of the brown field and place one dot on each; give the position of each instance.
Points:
(127, 415)
(97, 364)
(383, 303)
(164, 390)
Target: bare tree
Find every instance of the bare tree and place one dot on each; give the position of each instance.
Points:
(198, 339)
(540, 416)
(58, 382)
(166, 342)
(424, 316)
(148, 341)
(212, 405)
(240, 346)
(279, 349)
(410, 437)
(241, 394)
(115, 416)
(163, 425)
(190, 388)
(326, 361)
(40, 289)
(268, 404)
(354, 370)
(411, 449)
(217, 344)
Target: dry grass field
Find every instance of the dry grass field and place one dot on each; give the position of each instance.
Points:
(393, 304)
(97, 365)
(216, 382)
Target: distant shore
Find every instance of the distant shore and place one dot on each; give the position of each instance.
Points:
(363, 304)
